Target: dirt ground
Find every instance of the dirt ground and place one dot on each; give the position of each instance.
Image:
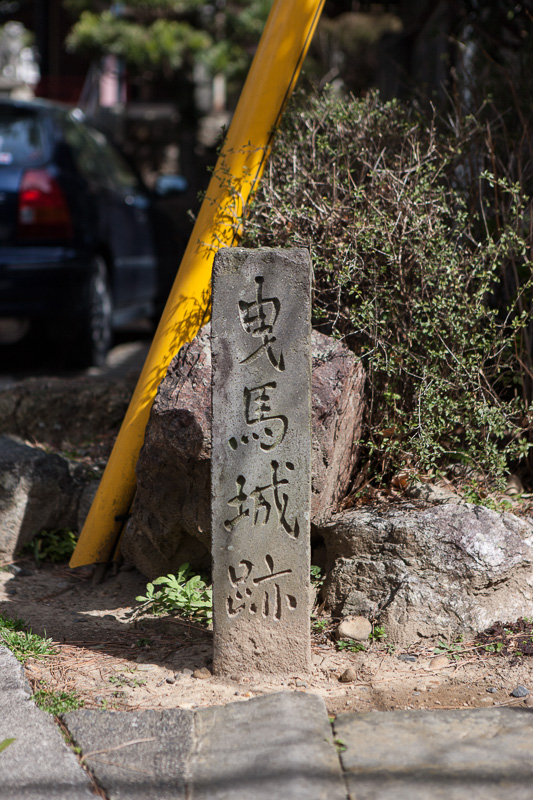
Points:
(114, 658)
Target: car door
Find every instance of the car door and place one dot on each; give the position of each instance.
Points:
(134, 236)
(122, 207)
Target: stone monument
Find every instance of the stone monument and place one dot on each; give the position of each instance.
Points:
(261, 461)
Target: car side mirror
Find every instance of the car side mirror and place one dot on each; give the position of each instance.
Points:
(171, 184)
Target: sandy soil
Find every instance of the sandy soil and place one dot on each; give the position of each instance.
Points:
(113, 658)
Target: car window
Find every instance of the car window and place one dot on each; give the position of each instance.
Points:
(123, 174)
(21, 137)
(86, 151)
(97, 160)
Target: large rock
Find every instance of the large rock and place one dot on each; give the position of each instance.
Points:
(37, 492)
(59, 410)
(170, 521)
(446, 570)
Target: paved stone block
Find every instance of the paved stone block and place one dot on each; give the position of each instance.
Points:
(438, 755)
(135, 755)
(38, 765)
(276, 747)
(261, 460)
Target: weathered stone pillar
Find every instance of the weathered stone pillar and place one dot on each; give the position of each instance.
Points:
(261, 460)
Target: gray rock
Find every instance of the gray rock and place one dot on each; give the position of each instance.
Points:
(446, 570)
(37, 492)
(520, 691)
(353, 628)
(407, 658)
(170, 521)
(433, 494)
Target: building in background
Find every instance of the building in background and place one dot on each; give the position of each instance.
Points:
(61, 74)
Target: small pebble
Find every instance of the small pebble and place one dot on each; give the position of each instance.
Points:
(407, 657)
(348, 675)
(439, 662)
(202, 674)
(170, 679)
(145, 667)
(19, 572)
(354, 628)
(528, 701)
(492, 690)
(301, 684)
(520, 691)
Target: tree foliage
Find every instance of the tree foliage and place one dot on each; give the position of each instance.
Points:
(162, 37)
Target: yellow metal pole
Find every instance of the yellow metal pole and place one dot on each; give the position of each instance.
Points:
(273, 74)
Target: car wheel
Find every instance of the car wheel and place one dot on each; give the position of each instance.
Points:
(95, 329)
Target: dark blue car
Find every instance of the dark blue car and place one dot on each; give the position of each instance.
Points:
(76, 249)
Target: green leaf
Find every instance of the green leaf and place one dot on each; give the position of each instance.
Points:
(5, 743)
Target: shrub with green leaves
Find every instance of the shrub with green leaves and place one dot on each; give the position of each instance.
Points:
(412, 244)
(56, 546)
(184, 593)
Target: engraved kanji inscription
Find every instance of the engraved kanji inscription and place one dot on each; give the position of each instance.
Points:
(263, 594)
(261, 460)
(258, 318)
(238, 501)
(266, 428)
(258, 504)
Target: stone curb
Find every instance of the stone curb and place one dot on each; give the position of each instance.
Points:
(38, 765)
(273, 747)
(438, 755)
(276, 747)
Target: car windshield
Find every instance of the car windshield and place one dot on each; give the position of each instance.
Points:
(21, 139)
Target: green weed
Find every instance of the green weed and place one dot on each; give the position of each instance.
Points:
(353, 647)
(23, 643)
(122, 680)
(183, 593)
(317, 577)
(57, 703)
(495, 647)
(378, 633)
(452, 650)
(56, 546)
